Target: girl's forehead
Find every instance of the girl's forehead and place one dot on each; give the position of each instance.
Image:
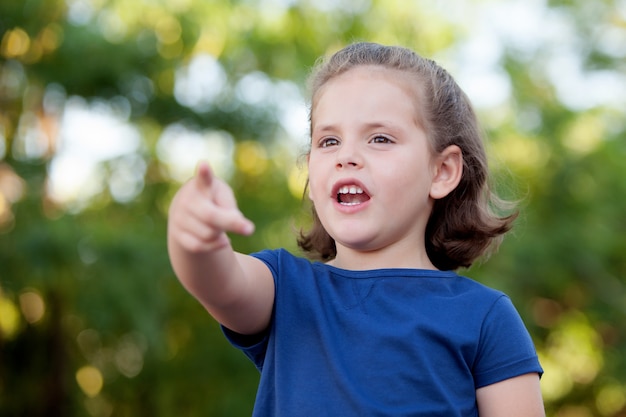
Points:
(408, 82)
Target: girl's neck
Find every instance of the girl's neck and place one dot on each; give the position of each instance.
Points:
(352, 259)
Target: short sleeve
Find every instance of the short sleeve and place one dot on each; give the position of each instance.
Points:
(253, 346)
(506, 349)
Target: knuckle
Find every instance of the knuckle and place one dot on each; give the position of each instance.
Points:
(208, 235)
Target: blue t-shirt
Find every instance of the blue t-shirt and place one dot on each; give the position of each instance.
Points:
(386, 342)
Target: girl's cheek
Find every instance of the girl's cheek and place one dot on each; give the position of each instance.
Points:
(315, 192)
(310, 189)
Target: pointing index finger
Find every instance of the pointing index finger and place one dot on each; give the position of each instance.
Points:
(204, 175)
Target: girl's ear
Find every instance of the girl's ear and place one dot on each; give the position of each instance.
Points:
(448, 172)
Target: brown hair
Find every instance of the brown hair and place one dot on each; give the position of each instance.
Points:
(462, 226)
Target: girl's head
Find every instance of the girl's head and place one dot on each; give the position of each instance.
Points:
(462, 226)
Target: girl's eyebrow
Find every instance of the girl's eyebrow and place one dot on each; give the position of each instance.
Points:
(324, 128)
(366, 126)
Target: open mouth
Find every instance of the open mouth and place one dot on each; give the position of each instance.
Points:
(351, 195)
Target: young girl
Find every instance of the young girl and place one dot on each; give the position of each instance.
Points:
(379, 325)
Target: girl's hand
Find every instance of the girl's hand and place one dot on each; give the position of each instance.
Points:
(202, 211)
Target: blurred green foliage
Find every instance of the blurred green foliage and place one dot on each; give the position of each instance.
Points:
(92, 319)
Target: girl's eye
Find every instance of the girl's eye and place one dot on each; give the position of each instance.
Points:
(381, 139)
(327, 142)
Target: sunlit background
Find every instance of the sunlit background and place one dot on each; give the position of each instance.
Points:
(106, 107)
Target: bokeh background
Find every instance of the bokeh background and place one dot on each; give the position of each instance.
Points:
(106, 106)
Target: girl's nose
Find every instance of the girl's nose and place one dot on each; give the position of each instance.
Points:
(349, 156)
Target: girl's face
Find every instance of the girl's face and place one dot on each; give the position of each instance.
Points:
(371, 169)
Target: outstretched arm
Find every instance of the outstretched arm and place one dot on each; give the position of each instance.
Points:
(236, 289)
(515, 397)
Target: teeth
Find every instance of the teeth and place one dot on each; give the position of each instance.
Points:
(353, 189)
